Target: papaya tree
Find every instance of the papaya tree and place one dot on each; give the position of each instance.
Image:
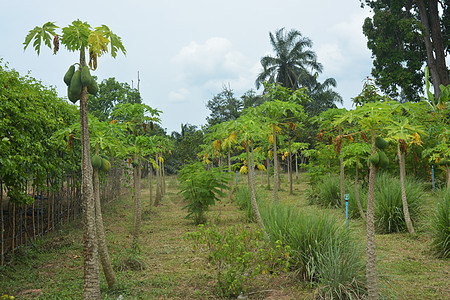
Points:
(81, 37)
(371, 117)
(136, 116)
(404, 133)
(276, 112)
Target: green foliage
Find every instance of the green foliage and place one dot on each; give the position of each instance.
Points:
(329, 191)
(388, 205)
(241, 196)
(201, 188)
(239, 254)
(441, 225)
(321, 250)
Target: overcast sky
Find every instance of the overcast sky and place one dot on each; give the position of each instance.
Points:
(186, 51)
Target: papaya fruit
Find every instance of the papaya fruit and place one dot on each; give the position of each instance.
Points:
(384, 160)
(93, 88)
(96, 162)
(380, 143)
(86, 78)
(106, 165)
(73, 98)
(75, 84)
(375, 159)
(69, 74)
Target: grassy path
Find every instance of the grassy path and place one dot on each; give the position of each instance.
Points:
(167, 268)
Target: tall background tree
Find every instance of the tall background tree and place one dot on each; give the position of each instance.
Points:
(403, 36)
(110, 93)
(291, 59)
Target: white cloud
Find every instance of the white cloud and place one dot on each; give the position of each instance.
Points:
(179, 95)
(211, 64)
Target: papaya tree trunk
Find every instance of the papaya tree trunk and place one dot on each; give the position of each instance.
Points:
(230, 192)
(296, 166)
(371, 259)
(290, 168)
(401, 161)
(137, 202)
(342, 175)
(102, 248)
(150, 179)
(268, 171)
(158, 189)
(163, 192)
(251, 186)
(90, 245)
(358, 202)
(275, 166)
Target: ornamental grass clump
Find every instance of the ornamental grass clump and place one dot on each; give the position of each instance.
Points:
(329, 191)
(389, 215)
(441, 225)
(241, 196)
(322, 251)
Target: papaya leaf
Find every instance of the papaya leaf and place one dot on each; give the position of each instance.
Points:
(44, 33)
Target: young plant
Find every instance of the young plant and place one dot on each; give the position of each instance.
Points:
(201, 188)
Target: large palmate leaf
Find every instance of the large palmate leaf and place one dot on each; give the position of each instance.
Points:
(44, 33)
(75, 36)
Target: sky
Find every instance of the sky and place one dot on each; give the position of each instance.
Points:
(187, 51)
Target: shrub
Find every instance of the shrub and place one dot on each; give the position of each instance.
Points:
(388, 202)
(441, 225)
(321, 251)
(238, 254)
(241, 196)
(200, 187)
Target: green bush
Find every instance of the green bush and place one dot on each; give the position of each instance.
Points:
(241, 196)
(321, 251)
(388, 202)
(238, 255)
(200, 187)
(441, 225)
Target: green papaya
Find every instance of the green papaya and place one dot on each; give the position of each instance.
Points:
(380, 143)
(106, 165)
(375, 159)
(93, 88)
(69, 74)
(86, 78)
(96, 162)
(72, 98)
(75, 84)
(384, 160)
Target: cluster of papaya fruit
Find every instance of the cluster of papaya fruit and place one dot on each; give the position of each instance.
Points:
(379, 159)
(100, 163)
(76, 79)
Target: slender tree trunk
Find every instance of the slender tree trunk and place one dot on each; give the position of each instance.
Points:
(448, 177)
(296, 167)
(268, 172)
(90, 245)
(251, 186)
(401, 161)
(163, 179)
(358, 202)
(371, 263)
(158, 189)
(290, 168)
(342, 175)
(102, 247)
(137, 202)
(230, 192)
(150, 178)
(275, 166)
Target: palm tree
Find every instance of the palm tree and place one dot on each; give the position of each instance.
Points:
(292, 58)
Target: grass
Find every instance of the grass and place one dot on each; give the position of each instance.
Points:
(52, 268)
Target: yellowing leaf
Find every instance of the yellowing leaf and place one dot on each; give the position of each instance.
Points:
(161, 159)
(261, 167)
(243, 170)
